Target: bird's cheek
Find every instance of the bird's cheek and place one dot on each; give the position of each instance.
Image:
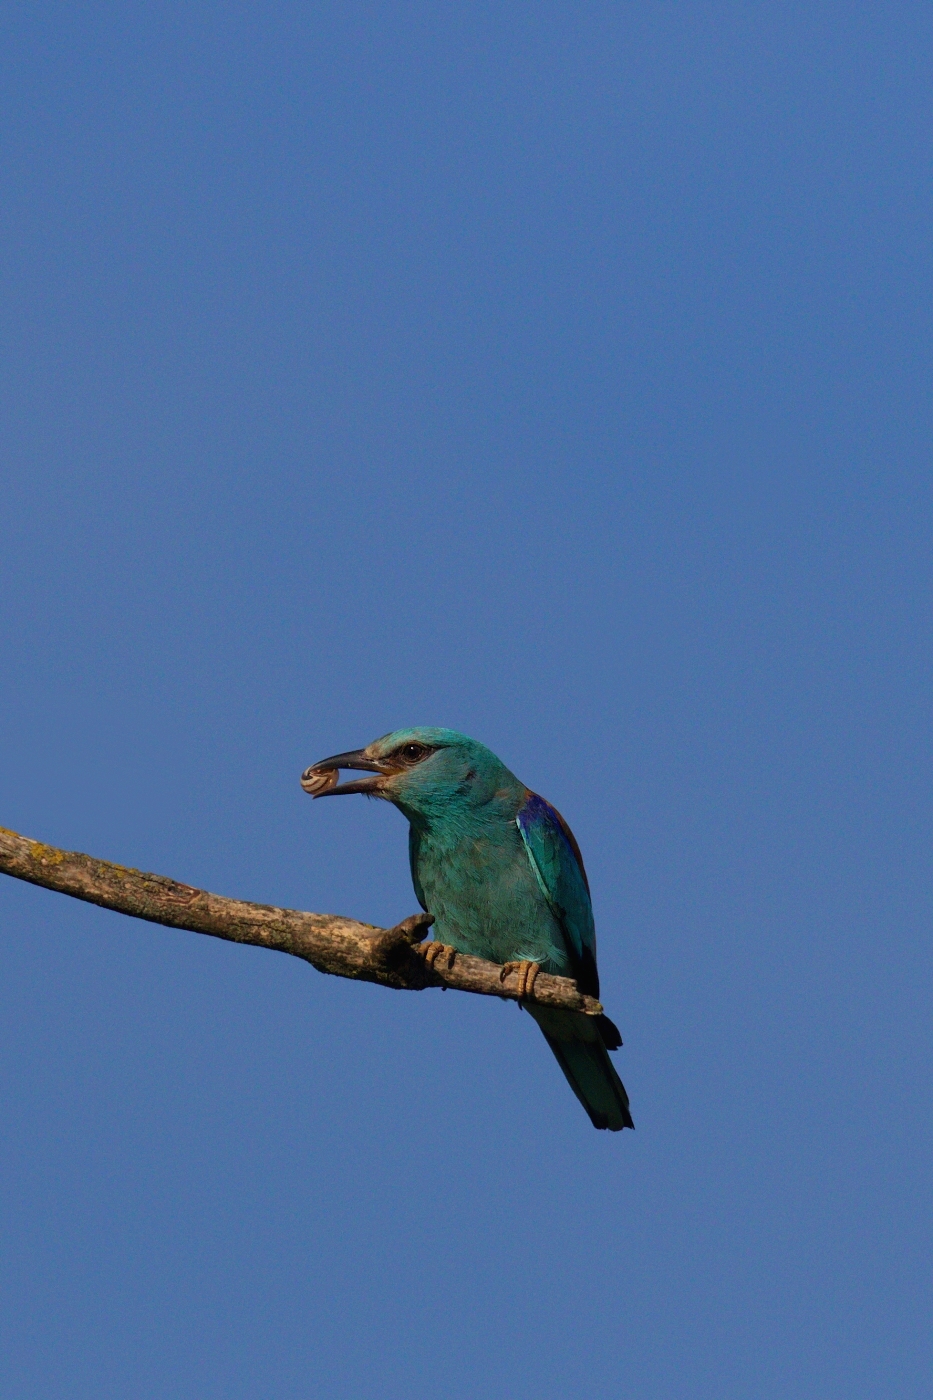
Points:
(390, 787)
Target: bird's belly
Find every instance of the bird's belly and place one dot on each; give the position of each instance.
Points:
(496, 914)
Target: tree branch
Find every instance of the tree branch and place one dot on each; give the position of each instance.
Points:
(329, 942)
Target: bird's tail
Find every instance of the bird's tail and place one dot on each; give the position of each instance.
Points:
(581, 1053)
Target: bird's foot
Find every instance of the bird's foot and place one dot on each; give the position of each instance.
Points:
(432, 950)
(527, 972)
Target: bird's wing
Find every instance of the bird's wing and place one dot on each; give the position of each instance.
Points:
(413, 845)
(558, 866)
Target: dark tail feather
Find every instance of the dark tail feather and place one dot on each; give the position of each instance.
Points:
(609, 1032)
(581, 1053)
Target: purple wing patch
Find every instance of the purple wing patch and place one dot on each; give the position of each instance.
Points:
(536, 810)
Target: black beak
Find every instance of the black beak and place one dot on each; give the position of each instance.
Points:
(320, 780)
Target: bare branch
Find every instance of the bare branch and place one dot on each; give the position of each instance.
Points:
(329, 942)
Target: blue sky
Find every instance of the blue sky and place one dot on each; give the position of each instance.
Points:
(561, 374)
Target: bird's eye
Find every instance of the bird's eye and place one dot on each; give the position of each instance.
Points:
(411, 753)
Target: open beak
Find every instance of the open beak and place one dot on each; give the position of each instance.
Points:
(320, 780)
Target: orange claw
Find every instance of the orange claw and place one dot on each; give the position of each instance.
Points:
(431, 952)
(527, 972)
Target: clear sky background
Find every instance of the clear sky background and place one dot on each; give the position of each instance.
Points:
(558, 373)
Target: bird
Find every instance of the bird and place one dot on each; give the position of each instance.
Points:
(501, 873)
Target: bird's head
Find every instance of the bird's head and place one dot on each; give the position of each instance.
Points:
(425, 772)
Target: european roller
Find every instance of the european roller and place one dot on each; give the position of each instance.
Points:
(500, 871)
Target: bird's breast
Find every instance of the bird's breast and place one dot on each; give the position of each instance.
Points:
(485, 899)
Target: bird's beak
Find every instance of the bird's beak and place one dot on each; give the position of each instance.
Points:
(320, 780)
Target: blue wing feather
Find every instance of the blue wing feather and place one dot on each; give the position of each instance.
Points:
(558, 866)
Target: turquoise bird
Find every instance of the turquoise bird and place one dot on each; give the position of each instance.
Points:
(501, 873)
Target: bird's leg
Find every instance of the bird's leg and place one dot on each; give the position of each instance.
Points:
(527, 972)
(432, 950)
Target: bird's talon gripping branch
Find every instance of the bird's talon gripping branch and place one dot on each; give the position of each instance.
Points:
(527, 972)
(432, 951)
